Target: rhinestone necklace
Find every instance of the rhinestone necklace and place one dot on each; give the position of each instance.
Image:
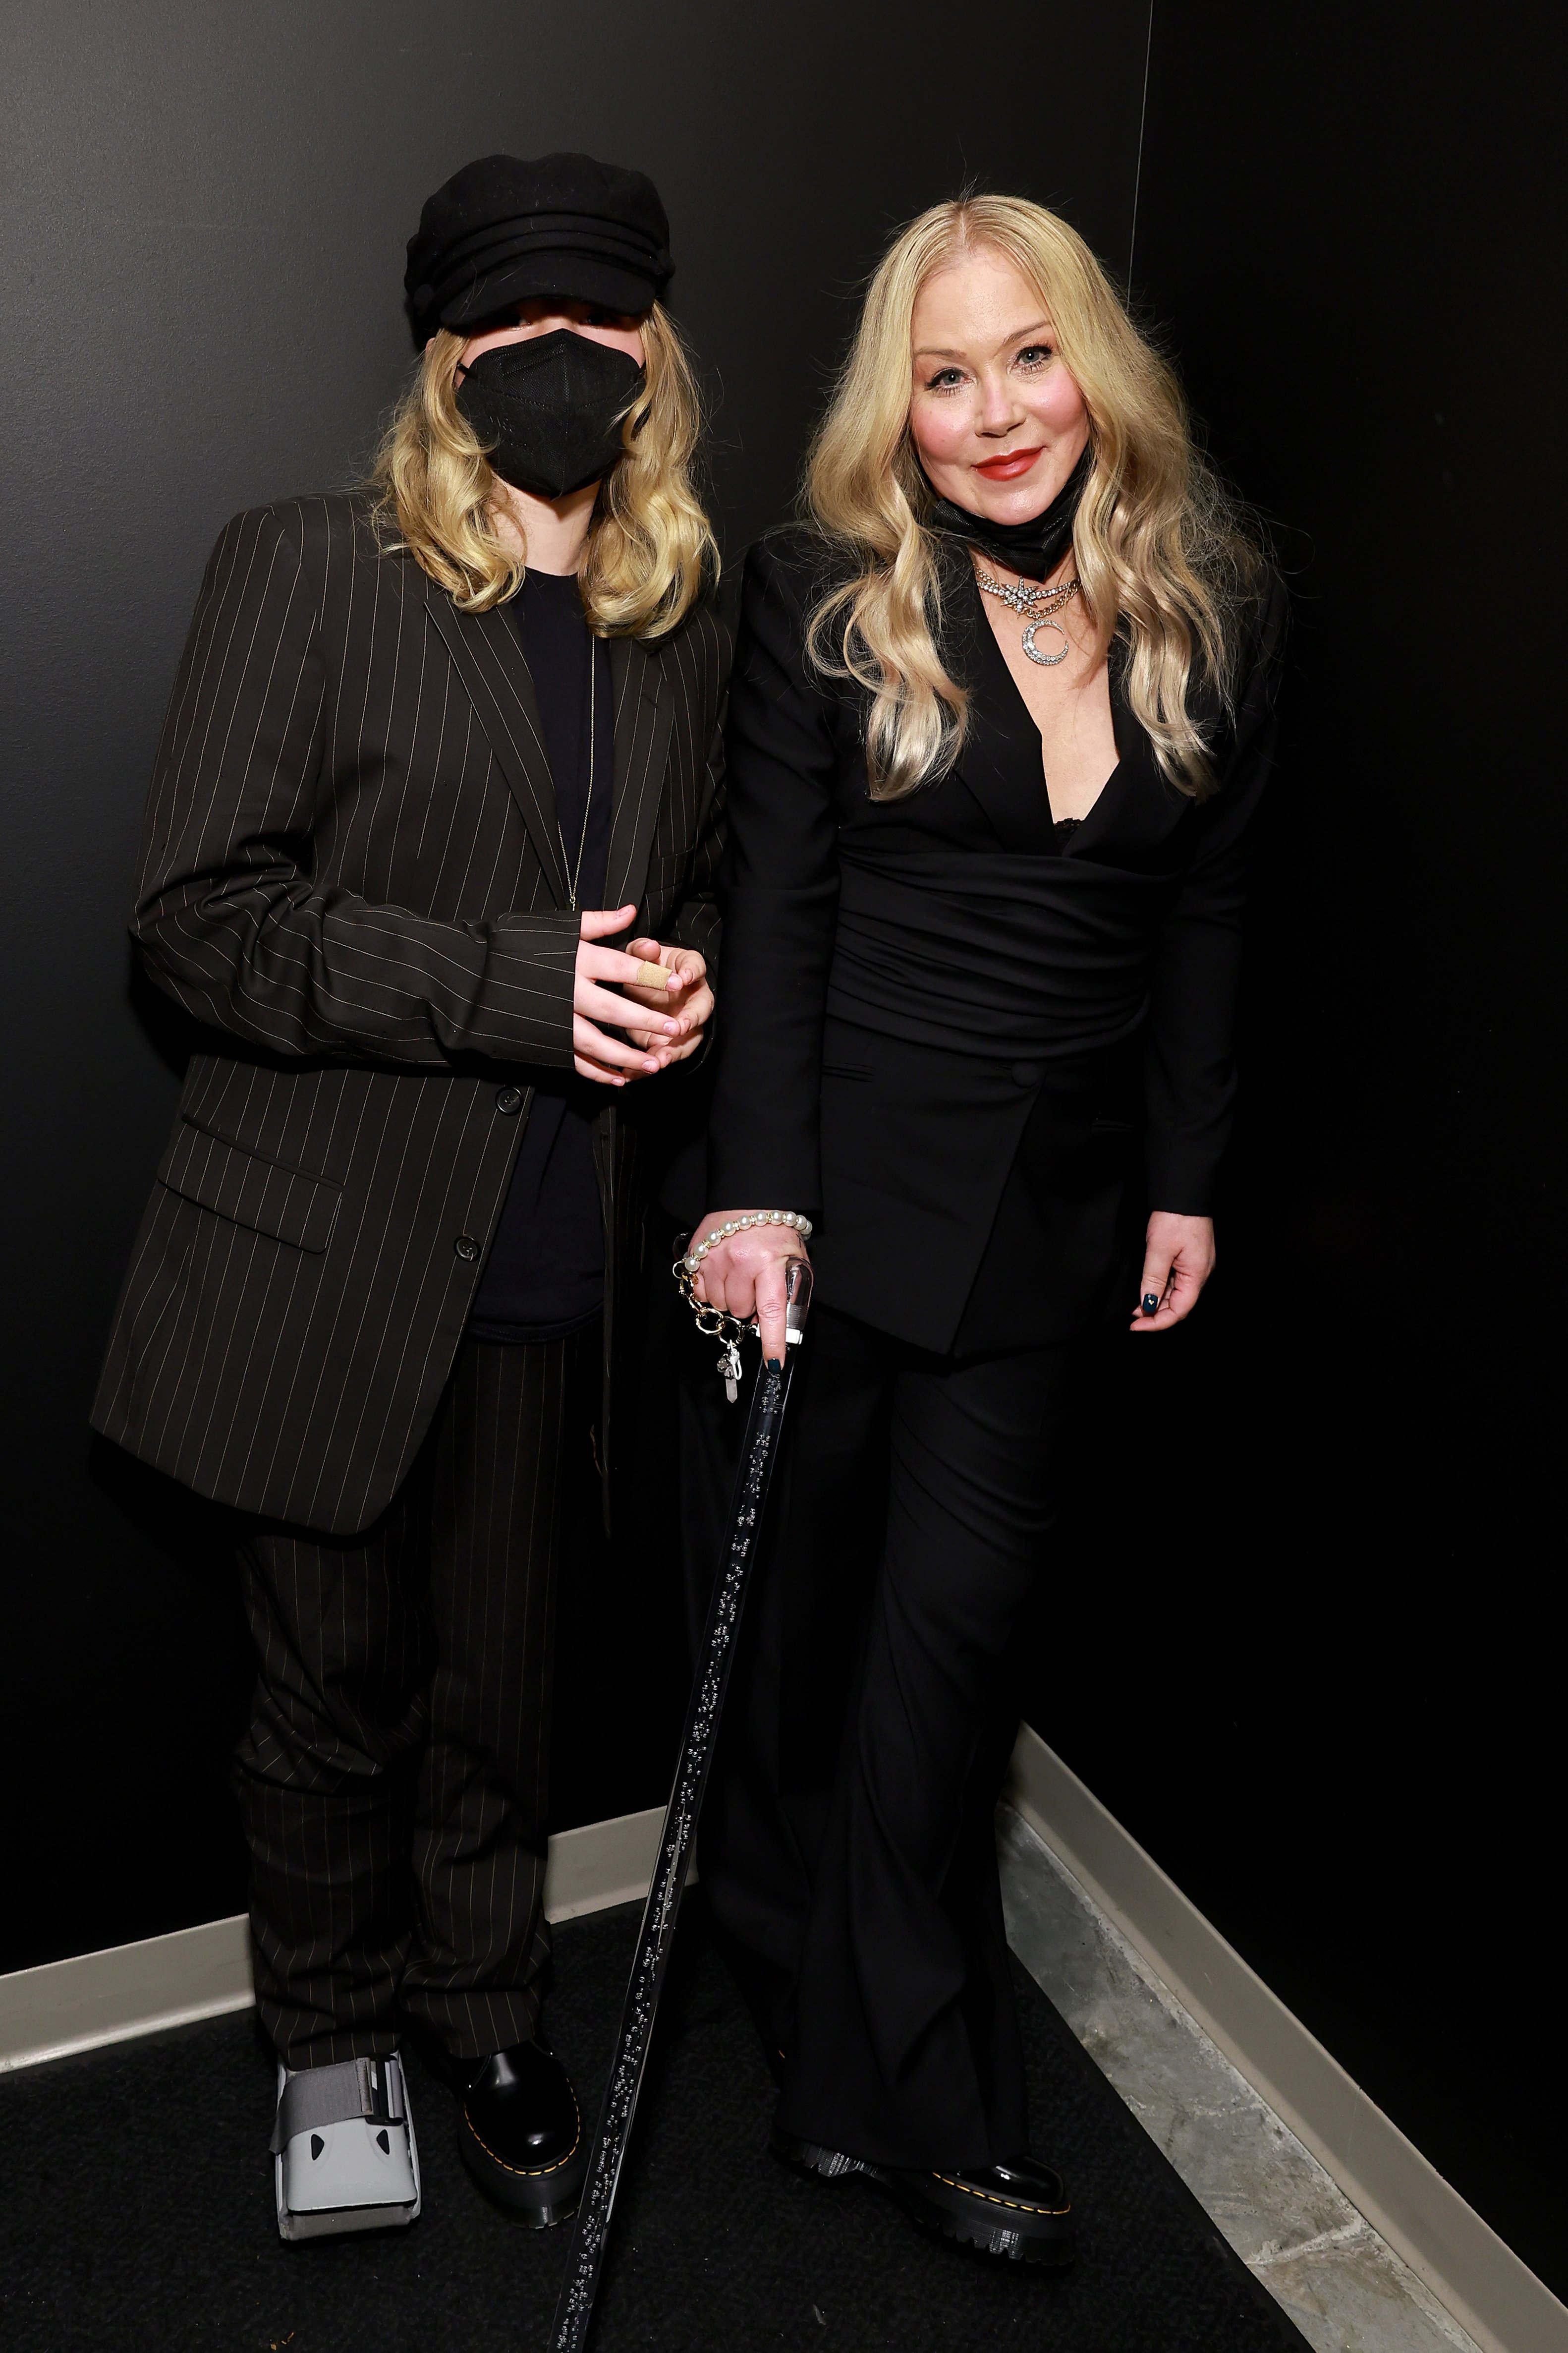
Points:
(1038, 607)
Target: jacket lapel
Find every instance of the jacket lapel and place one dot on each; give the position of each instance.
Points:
(645, 713)
(489, 663)
(1000, 764)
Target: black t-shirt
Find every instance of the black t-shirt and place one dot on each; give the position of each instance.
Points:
(545, 1273)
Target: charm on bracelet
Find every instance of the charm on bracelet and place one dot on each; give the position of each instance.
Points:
(716, 1323)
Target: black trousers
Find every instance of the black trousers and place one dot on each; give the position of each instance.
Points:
(393, 1777)
(848, 1846)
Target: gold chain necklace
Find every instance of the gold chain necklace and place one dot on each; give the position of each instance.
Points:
(1038, 608)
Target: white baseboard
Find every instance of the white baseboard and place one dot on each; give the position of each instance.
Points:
(1467, 2267)
(110, 1997)
(601, 1864)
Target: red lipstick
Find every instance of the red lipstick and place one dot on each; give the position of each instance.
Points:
(1008, 468)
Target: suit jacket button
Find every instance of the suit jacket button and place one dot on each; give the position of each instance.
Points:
(508, 1099)
(467, 1247)
(1028, 1075)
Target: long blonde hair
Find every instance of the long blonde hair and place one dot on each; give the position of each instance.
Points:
(650, 552)
(1160, 549)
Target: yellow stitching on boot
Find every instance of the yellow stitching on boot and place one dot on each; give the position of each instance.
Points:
(1015, 2205)
(531, 2172)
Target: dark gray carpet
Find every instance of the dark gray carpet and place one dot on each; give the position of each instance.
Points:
(136, 2212)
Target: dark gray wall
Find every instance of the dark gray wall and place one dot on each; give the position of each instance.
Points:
(206, 205)
(1330, 1703)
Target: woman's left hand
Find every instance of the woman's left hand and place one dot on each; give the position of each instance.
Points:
(1178, 1260)
(690, 1002)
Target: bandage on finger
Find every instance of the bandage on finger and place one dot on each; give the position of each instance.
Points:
(653, 975)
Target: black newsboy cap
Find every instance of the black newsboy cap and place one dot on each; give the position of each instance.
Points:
(503, 230)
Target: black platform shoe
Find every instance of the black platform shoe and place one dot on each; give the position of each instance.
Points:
(520, 2132)
(1019, 2210)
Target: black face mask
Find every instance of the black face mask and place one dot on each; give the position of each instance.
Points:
(549, 409)
(1032, 549)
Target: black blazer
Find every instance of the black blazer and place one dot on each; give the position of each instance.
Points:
(900, 1148)
(350, 874)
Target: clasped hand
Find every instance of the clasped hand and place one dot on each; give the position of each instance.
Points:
(677, 1011)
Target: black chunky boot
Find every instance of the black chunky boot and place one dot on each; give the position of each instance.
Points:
(1019, 2209)
(520, 2132)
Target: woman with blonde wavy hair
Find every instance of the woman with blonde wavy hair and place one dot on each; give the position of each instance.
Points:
(1000, 719)
(429, 854)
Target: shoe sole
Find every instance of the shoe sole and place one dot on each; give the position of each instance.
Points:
(538, 2200)
(823, 2164)
(943, 2210)
(946, 2209)
(295, 2223)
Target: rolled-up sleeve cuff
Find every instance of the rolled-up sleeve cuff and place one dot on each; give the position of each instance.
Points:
(529, 987)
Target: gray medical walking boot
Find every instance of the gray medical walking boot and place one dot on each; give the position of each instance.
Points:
(343, 2151)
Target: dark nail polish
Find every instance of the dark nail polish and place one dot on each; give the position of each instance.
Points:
(1151, 1303)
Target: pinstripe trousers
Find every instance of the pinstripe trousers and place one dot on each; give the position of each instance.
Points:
(394, 1777)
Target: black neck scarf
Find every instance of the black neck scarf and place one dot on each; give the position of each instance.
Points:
(1032, 549)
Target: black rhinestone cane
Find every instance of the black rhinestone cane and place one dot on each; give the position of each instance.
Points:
(574, 2310)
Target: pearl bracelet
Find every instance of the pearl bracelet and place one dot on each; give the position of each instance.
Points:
(792, 1218)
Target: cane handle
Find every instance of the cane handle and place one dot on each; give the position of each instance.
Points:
(798, 1300)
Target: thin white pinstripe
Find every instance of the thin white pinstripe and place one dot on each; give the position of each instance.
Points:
(352, 1691)
(315, 705)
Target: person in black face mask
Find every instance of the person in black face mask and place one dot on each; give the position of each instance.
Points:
(549, 402)
(430, 853)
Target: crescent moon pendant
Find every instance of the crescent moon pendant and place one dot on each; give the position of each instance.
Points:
(1046, 662)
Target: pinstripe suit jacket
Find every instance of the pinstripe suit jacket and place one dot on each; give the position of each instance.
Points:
(351, 875)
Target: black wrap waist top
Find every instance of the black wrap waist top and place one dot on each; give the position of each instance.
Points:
(993, 952)
(979, 945)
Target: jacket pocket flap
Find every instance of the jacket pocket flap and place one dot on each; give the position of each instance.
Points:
(252, 1192)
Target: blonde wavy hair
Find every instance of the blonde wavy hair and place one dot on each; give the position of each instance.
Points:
(1164, 556)
(651, 552)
